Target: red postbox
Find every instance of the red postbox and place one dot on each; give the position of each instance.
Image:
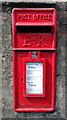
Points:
(34, 58)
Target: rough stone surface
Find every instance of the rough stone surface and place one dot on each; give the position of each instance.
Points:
(33, 1)
(7, 99)
(0, 61)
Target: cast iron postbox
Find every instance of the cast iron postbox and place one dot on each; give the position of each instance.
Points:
(34, 58)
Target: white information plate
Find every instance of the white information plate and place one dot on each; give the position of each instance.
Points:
(34, 77)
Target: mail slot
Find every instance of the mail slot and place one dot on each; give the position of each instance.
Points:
(34, 58)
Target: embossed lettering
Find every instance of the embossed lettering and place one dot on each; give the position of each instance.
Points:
(23, 17)
(42, 17)
(35, 39)
(27, 41)
(40, 40)
(34, 17)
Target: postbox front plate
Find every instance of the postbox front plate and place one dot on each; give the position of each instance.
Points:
(34, 29)
(34, 102)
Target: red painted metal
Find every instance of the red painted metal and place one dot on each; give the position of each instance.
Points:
(34, 30)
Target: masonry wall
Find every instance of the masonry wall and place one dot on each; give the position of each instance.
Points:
(7, 85)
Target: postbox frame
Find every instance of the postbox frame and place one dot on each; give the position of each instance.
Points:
(53, 49)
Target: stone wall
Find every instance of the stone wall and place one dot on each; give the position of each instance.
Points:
(7, 91)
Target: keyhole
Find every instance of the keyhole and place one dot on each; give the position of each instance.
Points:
(34, 54)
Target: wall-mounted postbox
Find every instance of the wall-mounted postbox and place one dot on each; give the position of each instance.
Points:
(34, 58)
